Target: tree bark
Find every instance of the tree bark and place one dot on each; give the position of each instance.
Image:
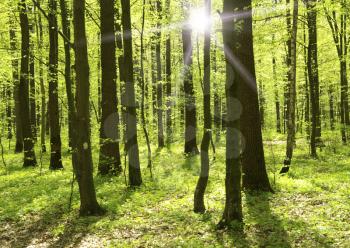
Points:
(28, 141)
(131, 125)
(190, 100)
(199, 206)
(81, 122)
(55, 129)
(109, 129)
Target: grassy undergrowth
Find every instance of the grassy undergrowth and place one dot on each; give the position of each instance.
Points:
(310, 208)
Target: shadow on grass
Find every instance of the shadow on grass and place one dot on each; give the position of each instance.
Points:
(267, 228)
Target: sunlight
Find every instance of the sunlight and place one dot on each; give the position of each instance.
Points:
(199, 20)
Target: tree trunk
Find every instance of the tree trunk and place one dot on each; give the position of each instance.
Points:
(81, 122)
(159, 77)
(131, 124)
(28, 141)
(55, 129)
(199, 206)
(291, 63)
(253, 160)
(232, 38)
(313, 75)
(109, 129)
(168, 80)
(15, 78)
(32, 104)
(190, 101)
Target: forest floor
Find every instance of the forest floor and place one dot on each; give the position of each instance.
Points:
(310, 208)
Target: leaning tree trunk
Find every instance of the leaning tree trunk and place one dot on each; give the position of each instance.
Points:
(28, 141)
(253, 160)
(81, 121)
(55, 129)
(199, 206)
(109, 129)
(15, 78)
(291, 63)
(190, 101)
(232, 38)
(131, 125)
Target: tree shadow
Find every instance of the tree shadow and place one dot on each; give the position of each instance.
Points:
(268, 228)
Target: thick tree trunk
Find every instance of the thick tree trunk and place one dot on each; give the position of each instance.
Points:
(55, 129)
(232, 38)
(81, 122)
(199, 206)
(109, 129)
(253, 160)
(28, 141)
(190, 101)
(131, 124)
(291, 63)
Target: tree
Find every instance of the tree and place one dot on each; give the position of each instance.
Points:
(109, 129)
(312, 63)
(55, 129)
(291, 86)
(190, 100)
(131, 128)
(82, 146)
(28, 141)
(168, 78)
(232, 36)
(159, 76)
(204, 173)
(253, 160)
(15, 79)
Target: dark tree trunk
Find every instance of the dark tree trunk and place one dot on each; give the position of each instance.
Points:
(40, 41)
(32, 80)
(28, 142)
(109, 129)
(81, 122)
(168, 80)
(15, 78)
(131, 125)
(55, 129)
(253, 160)
(159, 77)
(313, 75)
(277, 99)
(190, 101)
(232, 37)
(307, 88)
(291, 75)
(199, 206)
(67, 67)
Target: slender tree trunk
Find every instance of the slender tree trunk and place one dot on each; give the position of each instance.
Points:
(331, 107)
(232, 37)
(15, 79)
(199, 206)
(67, 67)
(168, 79)
(55, 129)
(291, 63)
(190, 101)
(277, 98)
(81, 122)
(41, 81)
(109, 131)
(131, 128)
(313, 75)
(28, 142)
(159, 77)
(32, 103)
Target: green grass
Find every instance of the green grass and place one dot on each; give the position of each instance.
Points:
(311, 206)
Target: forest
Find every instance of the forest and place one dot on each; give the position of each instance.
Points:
(162, 123)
